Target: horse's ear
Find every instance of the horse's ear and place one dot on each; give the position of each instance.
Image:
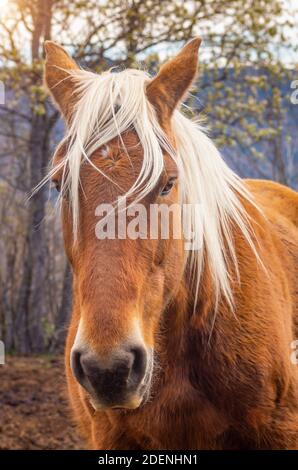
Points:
(175, 77)
(57, 79)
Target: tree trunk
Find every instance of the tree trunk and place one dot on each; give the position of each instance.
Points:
(32, 306)
(64, 311)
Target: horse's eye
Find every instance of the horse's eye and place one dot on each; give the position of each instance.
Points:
(56, 185)
(167, 188)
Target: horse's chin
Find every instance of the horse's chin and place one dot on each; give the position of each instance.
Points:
(130, 405)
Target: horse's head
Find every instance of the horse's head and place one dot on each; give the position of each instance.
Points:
(119, 143)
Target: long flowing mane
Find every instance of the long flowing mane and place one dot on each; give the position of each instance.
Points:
(108, 105)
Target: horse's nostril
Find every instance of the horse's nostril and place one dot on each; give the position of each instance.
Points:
(139, 364)
(76, 366)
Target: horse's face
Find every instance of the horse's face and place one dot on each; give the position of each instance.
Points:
(121, 286)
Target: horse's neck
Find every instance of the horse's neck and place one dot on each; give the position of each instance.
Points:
(189, 321)
(191, 315)
(185, 315)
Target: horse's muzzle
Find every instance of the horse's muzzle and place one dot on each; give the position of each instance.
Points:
(117, 382)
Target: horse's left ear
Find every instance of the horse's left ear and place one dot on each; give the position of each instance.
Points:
(57, 77)
(169, 87)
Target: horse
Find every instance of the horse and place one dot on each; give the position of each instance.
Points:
(171, 345)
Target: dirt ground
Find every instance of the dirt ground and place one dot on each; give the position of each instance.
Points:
(34, 412)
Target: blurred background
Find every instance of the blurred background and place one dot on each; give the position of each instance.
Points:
(247, 95)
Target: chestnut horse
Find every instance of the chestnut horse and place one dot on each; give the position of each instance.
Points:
(168, 347)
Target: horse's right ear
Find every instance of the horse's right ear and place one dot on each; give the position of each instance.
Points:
(57, 78)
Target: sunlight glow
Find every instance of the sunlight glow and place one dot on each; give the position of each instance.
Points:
(3, 5)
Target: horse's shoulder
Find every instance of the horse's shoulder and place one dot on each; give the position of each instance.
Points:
(275, 198)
